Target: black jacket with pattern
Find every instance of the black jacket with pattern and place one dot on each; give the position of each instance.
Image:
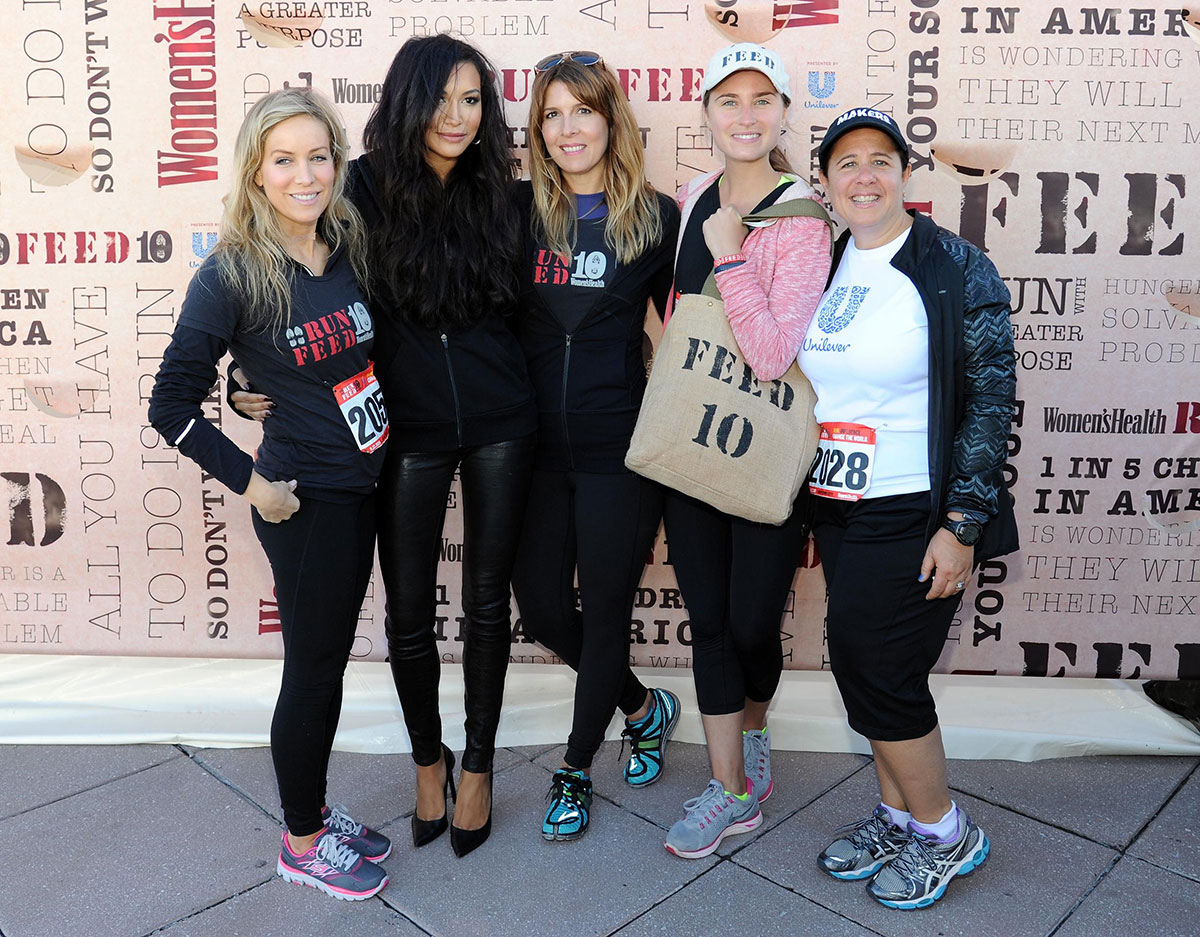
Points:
(972, 379)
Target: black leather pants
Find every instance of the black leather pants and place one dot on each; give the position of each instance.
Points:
(412, 509)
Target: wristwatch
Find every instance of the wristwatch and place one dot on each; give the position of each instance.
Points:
(966, 532)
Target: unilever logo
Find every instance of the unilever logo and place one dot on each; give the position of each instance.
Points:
(829, 319)
(202, 244)
(821, 86)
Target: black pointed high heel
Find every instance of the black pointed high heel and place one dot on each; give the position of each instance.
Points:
(465, 841)
(426, 831)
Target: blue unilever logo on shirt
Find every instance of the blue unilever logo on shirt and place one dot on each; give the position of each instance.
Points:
(830, 320)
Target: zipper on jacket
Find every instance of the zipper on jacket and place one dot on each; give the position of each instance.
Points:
(453, 389)
(563, 406)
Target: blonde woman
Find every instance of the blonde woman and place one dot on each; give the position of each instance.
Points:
(281, 291)
(598, 243)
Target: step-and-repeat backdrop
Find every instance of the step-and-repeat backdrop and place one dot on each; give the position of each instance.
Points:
(1059, 138)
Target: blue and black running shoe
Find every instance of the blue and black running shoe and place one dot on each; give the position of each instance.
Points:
(570, 805)
(648, 739)
(919, 875)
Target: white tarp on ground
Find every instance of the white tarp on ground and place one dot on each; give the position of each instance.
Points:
(228, 703)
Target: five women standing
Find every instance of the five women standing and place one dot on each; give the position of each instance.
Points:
(550, 398)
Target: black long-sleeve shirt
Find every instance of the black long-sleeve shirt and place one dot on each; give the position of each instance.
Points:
(308, 437)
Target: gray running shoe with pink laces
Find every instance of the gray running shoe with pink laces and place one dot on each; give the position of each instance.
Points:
(711, 817)
(332, 867)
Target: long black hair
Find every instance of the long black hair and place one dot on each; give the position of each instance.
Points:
(443, 254)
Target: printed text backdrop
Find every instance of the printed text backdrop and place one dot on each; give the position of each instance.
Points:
(1059, 138)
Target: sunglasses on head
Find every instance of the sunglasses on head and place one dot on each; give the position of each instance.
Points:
(579, 58)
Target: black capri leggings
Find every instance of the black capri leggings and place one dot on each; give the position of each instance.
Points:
(321, 558)
(735, 576)
(884, 635)
(605, 524)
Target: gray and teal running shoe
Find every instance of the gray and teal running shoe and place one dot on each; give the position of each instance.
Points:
(919, 875)
(863, 848)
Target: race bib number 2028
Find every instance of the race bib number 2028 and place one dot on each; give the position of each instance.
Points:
(842, 469)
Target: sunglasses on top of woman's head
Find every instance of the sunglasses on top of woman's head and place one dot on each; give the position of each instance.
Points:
(579, 58)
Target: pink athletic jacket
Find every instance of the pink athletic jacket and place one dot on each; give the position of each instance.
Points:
(771, 298)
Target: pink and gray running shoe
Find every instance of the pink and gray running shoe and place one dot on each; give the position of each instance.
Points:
(368, 843)
(332, 867)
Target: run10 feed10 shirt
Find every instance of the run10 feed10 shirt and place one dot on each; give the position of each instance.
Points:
(329, 426)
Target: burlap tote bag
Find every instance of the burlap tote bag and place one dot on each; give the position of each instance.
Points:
(708, 428)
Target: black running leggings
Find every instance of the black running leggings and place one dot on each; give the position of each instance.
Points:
(735, 576)
(321, 559)
(604, 525)
(413, 492)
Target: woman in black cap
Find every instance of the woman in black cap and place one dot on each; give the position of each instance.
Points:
(911, 356)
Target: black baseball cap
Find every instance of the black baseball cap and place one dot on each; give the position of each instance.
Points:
(854, 119)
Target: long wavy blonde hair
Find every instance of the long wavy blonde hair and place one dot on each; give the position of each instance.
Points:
(250, 250)
(634, 224)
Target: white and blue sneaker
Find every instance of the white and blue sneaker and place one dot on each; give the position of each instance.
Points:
(919, 875)
(711, 817)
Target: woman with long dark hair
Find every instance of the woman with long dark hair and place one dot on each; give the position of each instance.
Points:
(289, 261)
(433, 188)
(598, 245)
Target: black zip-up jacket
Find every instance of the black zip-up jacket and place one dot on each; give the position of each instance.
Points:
(972, 379)
(446, 388)
(589, 382)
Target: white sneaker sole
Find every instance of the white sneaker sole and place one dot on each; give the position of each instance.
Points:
(296, 877)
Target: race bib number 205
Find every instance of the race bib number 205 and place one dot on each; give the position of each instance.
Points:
(361, 402)
(842, 469)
